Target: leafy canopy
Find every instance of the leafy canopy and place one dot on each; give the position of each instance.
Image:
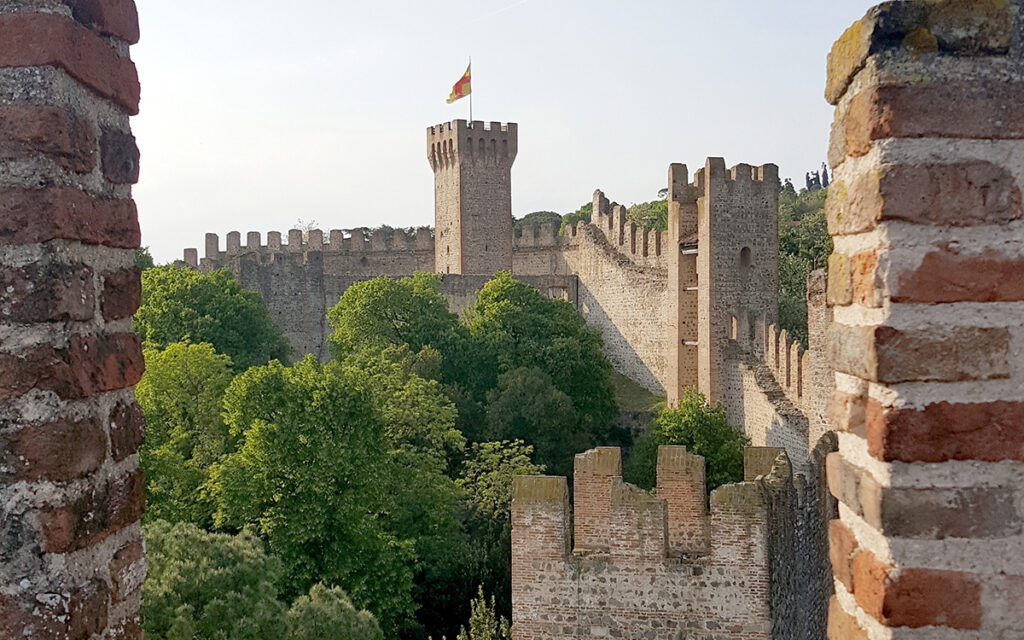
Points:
(181, 303)
(703, 429)
(804, 245)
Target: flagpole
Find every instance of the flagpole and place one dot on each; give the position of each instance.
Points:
(471, 90)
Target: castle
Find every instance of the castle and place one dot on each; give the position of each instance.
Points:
(924, 374)
(690, 306)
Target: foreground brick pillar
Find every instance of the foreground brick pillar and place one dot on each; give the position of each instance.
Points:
(927, 288)
(71, 492)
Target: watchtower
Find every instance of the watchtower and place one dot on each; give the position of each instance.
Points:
(472, 163)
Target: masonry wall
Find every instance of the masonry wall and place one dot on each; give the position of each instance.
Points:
(928, 335)
(71, 492)
(654, 566)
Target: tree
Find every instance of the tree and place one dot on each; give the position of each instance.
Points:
(486, 483)
(307, 476)
(649, 215)
(484, 622)
(181, 303)
(804, 245)
(328, 614)
(703, 429)
(180, 396)
(513, 326)
(143, 258)
(536, 220)
(571, 219)
(209, 586)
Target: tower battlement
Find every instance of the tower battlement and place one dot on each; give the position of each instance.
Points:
(460, 141)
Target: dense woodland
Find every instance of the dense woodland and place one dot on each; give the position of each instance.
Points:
(367, 497)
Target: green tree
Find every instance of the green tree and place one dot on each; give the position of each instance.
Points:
(209, 586)
(308, 477)
(486, 483)
(703, 429)
(328, 614)
(571, 219)
(180, 396)
(536, 220)
(649, 215)
(804, 245)
(513, 326)
(143, 258)
(484, 622)
(181, 303)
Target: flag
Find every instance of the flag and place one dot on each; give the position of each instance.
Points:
(461, 88)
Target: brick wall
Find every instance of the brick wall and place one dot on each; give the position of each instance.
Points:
(928, 337)
(71, 493)
(660, 566)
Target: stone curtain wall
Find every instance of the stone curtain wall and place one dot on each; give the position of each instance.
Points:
(652, 566)
(928, 341)
(71, 493)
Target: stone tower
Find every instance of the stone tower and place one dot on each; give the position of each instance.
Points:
(472, 163)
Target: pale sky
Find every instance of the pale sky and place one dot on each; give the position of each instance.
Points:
(260, 113)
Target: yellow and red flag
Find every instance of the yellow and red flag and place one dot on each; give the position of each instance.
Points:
(461, 88)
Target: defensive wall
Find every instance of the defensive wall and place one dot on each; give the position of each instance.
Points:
(625, 563)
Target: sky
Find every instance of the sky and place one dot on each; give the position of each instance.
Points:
(261, 115)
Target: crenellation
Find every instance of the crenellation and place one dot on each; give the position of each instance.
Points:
(234, 243)
(212, 245)
(681, 484)
(273, 241)
(252, 241)
(192, 258)
(315, 240)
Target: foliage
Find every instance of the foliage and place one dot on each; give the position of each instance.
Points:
(649, 215)
(143, 258)
(570, 219)
(703, 429)
(484, 622)
(536, 220)
(181, 303)
(522, 339)
(486, 482)
(209, 586)
(307, 477)
(804, 245)
(180, 396)
(328, 614)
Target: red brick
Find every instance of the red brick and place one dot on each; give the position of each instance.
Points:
(126, 429)
(120, 157)
(870, 580)
(122, 293)
(841, 625)
(26, 130)
(39, 215)
(846, 412)
(885, 354)
(46, 291)
(985, 109)
(948, 275)
(93, 516)
(957, 195)
(118, 18)
(77, 615)
(842, 546)
(40, 367)
(58, 451)
(988, 431)
(866, 290)
(923, 597)
(126, 570)
(40, 39)
(107, 362)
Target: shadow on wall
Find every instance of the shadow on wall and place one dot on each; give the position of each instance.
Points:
(617, 348)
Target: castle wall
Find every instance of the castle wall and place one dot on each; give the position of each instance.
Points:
(651, 566)
(71, 491)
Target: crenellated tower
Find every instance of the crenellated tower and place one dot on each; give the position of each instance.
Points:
(472, 163)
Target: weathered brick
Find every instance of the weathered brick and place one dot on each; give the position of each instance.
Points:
(27, 130)
(989, 431)
(839, 290)
(41, 39)
(866, 287)
(118, 18)
(870, 579)
(130, 629)
(94, 515)
(923, 597)
(841, 625)
(38, 215)
(938, 513)
(842, 545)
(78, 614)
(58, 451)
(947, 274)
(126, 570)
(41, 367)
(120, 156)
(846, 412)
(46, 291)
(885, 354)
(122, 293)
(126, 429)
(107, 362)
